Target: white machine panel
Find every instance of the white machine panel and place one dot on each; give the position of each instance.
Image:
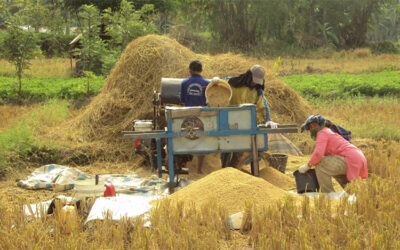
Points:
(239, 119)
(239, 142)
(205, 143)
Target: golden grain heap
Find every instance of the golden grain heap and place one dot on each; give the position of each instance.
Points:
(231, 189)
(277, 178)
(127, 94)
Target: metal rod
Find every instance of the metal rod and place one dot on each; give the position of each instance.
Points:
(159, 157)
(171, 166)
(255, 166)
(165, 134)
(154, 110)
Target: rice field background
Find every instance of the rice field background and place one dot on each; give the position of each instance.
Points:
(371, 222)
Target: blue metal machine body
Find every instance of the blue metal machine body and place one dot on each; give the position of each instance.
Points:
(230, 129)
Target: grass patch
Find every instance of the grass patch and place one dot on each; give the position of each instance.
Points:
(386, 83)
(41, 89)
(19, 143)
(44, 67)
(375, 118)
(338, 62)
(369, 222)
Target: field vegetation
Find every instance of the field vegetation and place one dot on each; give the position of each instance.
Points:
(331, 86)
(41, 89)
(20, 141)
(318, 62)
(370, 222)
(343, 56)
(41, 67)
(376, 75)
(375, 118)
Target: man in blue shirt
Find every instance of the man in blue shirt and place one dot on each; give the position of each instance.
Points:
(193, 94)
(193, 88)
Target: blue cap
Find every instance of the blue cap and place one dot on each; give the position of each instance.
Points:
(312, 118)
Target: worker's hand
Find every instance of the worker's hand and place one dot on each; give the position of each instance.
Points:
(303, 169)
(271, 124)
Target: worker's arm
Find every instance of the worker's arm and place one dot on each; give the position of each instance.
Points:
(320, 148)
(261, 98)
(269, 123)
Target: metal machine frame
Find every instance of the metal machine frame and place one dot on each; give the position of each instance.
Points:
(222, 130)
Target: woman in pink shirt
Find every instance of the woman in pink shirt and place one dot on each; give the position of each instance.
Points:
(333, 156)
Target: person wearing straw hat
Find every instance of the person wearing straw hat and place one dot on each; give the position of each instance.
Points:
(248, 88)
(333, 156)
(193, 94)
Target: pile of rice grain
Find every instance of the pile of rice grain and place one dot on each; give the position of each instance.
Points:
(277, 178)
(231, 189)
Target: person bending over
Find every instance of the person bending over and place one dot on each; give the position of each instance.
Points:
(333, 156)
(248, 88)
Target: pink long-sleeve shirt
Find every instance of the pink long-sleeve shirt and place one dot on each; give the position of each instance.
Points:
(331, 143)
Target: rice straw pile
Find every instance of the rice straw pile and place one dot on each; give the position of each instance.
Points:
(230, 188)
(127, 94)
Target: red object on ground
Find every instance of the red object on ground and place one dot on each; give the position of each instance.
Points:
(138, 143)
(110, 190)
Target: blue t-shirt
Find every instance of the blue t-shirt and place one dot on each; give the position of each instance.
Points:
(193, 91)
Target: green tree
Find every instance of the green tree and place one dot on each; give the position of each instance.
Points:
(4, 13)
(92, 46)
(307, 24)
(127, 24)
(100, 4)
(159, 5)
(36, 14)
(19, 48)
(386, 25)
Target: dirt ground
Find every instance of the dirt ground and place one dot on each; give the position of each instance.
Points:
(12, 194)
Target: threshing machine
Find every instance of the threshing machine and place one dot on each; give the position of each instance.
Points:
(171, 140)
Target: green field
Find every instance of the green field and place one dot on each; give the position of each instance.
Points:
(329, 85)
(386, 83)
(41, 89)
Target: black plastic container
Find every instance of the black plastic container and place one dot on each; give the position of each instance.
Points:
(278, 161)
(306, 182)
(171, 90)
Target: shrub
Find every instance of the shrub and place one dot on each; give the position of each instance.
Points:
(360, 53)
(54, 44)
(330, 85)
(19, 144)
(195, 41)
(2, 37)
(384, 47)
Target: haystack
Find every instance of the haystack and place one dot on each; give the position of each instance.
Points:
(230, 188)
(127, 94)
